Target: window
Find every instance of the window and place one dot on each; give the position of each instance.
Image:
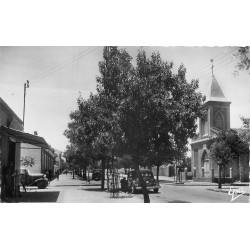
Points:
(219, 121)
(204, 126)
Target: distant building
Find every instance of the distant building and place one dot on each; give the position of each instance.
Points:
(217, 119)
(58, 160)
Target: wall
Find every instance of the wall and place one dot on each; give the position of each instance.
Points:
(35, 152)
(9, 119)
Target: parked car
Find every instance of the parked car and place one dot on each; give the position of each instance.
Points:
(30, 179)
(135, 185)
(97, 174)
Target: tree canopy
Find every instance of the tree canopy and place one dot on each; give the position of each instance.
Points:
(227, 146)
(145, 111)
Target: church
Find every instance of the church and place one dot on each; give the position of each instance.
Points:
(217, 118)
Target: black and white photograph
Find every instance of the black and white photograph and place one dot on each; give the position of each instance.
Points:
(106, 106)
(125, 124)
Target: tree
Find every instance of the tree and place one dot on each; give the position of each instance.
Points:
(158, 113)
(125, 162)
(244, 132)
(226, 147)
(146, 111)
(243, 55)
(27, 161)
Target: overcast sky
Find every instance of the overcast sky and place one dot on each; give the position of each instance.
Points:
(57, 74)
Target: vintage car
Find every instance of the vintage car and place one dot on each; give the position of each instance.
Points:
(97, 174)
(135, 185)
(30, 179)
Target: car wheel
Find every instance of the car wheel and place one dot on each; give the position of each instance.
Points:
(42, 184)
(133, 189)
(156, 190)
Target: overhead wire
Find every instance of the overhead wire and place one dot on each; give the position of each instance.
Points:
(215, 60)
(56, 66)
(64, 64)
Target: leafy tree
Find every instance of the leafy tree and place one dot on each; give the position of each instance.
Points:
(159, 112)
(146, 111)
(125, 162)
(244, 58)
(226, 147)
(244, 132)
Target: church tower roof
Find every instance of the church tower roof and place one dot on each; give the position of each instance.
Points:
(214, 92)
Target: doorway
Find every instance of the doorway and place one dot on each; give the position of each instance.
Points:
(205, 164)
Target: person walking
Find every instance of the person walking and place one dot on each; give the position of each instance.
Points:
(57, 175)
(50, 174)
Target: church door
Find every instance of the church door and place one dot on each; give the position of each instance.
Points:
(205, 164)
(206, 168)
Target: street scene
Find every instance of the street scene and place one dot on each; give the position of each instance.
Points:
(117, 124)
(108, 105)
(77, 190)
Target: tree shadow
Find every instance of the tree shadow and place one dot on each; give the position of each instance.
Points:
(94, 189)
(35, 197)
(178, 201)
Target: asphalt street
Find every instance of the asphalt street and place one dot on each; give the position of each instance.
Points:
(69, 190)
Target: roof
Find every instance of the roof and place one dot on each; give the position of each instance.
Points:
(20, 136)
(215, 92)
(9, 110)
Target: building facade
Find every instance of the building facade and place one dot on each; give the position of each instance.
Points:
(58, 160)
(9, 149)
(217, 118)
(11, 138)
(44, 158)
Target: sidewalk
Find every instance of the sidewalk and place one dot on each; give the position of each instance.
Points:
(79, 191)
(237, 186)
(69, 190)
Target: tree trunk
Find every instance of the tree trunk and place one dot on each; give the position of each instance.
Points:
(224, 174)
(108, 166)
(143, 185)
(219, 179)
(103, 172)
(157, 174)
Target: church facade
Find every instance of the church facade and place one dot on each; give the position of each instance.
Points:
(217, 118)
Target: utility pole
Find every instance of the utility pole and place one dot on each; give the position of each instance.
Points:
(26, 85)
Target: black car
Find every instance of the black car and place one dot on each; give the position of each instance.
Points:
(29, 179)
(97, 174)
(147, 175)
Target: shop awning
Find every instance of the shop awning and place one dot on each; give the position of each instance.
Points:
(20, 136)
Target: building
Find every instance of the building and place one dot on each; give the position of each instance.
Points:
(58, 160)
(11, 137)
(217, 118)
(44, 157)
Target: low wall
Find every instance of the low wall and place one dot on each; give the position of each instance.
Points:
(164, 171)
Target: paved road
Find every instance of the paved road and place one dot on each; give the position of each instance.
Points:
(69, 190)
(196, 194)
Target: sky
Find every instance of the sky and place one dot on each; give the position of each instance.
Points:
(58, 74)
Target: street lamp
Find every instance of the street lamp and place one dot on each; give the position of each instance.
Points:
(26, 85)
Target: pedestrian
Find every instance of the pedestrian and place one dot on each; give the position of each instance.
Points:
(124, 185)
(50, 174)
(57, 174)
(46, 172)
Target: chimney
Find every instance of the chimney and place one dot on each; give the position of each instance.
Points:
(35, 133)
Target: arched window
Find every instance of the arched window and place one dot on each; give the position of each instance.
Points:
(204, 126)
(219, 121)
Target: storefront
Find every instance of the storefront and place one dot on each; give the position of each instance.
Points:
(10, 140)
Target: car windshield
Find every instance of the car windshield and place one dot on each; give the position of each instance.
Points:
(147, 174)
(133, 174)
